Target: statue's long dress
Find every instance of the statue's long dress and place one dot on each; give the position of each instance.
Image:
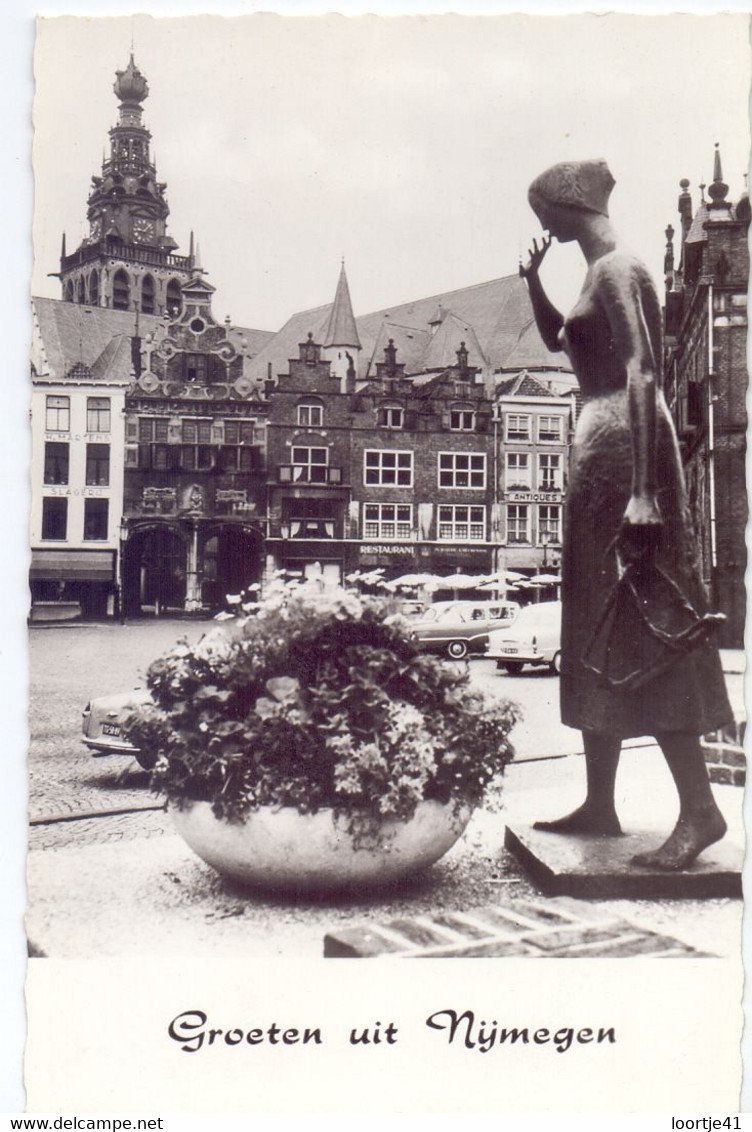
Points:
(691, 696)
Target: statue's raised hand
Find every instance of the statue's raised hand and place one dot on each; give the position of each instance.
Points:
(537, 255)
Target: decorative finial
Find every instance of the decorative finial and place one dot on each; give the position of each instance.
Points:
(130, 85)
(718, 189)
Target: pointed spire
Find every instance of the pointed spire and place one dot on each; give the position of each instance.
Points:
(190, 248)
(341, 329)
(718, 190)
(197, 268)
(62, 248)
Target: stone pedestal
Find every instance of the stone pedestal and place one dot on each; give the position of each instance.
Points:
(600, 867)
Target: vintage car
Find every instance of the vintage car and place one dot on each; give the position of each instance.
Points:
(456, 628)
(102, 725)
(534, 638)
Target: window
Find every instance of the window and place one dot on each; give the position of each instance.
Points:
(194, 432)
(97, 414)
(55, 462)
(195, 368)
(517, 522)
(54, 518)
(549, 523)
(148, 305)
(387, 520)
(94, 288)
(174, 298)
(518, 427)
(239, 432)
(549, 472)
(388, 468)
(151, 429)
(462, 420)
(98, 464)
(462, 523)
(549, 428)
(121, 291)
(310, 464)
(518, 471)
(391, 416)
(462, 469)
(58, 414)
(310, 414)
(95, 520)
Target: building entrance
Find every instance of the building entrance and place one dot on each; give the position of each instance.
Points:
(154, 572)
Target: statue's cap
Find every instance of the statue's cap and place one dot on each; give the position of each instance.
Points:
(579, 184)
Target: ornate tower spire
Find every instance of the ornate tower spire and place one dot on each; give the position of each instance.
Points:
(127, 212)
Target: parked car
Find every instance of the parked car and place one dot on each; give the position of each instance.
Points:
(103, 725)
(534, 638)
(456, 628)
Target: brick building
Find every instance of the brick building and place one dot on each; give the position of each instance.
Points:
(706, 382)
(195, 496)
(334, 444)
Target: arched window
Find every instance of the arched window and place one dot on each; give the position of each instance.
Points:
(82, 290)
(174, 297)
(121, 291)
(69, 293)
(147, 295)
(94, 288)
(310, 413)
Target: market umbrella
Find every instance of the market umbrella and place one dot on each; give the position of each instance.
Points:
(510, 589)
(459, 581)
(411, 580)
(546, 579)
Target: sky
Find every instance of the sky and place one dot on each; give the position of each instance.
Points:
(404, 144)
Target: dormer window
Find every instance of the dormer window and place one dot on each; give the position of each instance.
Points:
(391, 416)
(310, 414)
(461, 419)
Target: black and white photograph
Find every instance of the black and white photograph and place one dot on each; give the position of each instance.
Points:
(386, 566)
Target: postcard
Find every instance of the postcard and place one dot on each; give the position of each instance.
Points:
(386, 564)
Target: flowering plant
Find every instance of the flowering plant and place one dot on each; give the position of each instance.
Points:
(317, 699)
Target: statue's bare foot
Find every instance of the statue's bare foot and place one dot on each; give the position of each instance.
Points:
(585, 819)
(685, 843)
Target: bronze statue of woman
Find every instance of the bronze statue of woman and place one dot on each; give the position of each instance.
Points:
(626, 503)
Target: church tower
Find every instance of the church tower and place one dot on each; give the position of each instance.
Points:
(128, 261)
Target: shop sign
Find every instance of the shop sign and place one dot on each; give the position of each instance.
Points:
(161, 499)
(87, 491)
(534, 496)
(463, 550)
(231, 496)
(386, 548)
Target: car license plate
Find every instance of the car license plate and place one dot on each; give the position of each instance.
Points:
(110, 729)
(510, 652)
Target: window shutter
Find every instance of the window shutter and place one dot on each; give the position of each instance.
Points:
(131, 430)
(131, 455)
(218, 432)
(446, 420)
(411, 419)
(481, 422)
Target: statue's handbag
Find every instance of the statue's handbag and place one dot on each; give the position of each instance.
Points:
(646, 625)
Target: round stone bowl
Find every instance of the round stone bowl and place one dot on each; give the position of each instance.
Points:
(282, 849)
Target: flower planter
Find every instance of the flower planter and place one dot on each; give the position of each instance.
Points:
(283, 849)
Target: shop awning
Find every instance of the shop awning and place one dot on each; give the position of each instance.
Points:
(72, 565)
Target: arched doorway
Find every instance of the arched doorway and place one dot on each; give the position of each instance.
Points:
(154, 571)
(231, 561)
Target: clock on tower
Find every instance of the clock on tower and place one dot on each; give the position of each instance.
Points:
(143, 230)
